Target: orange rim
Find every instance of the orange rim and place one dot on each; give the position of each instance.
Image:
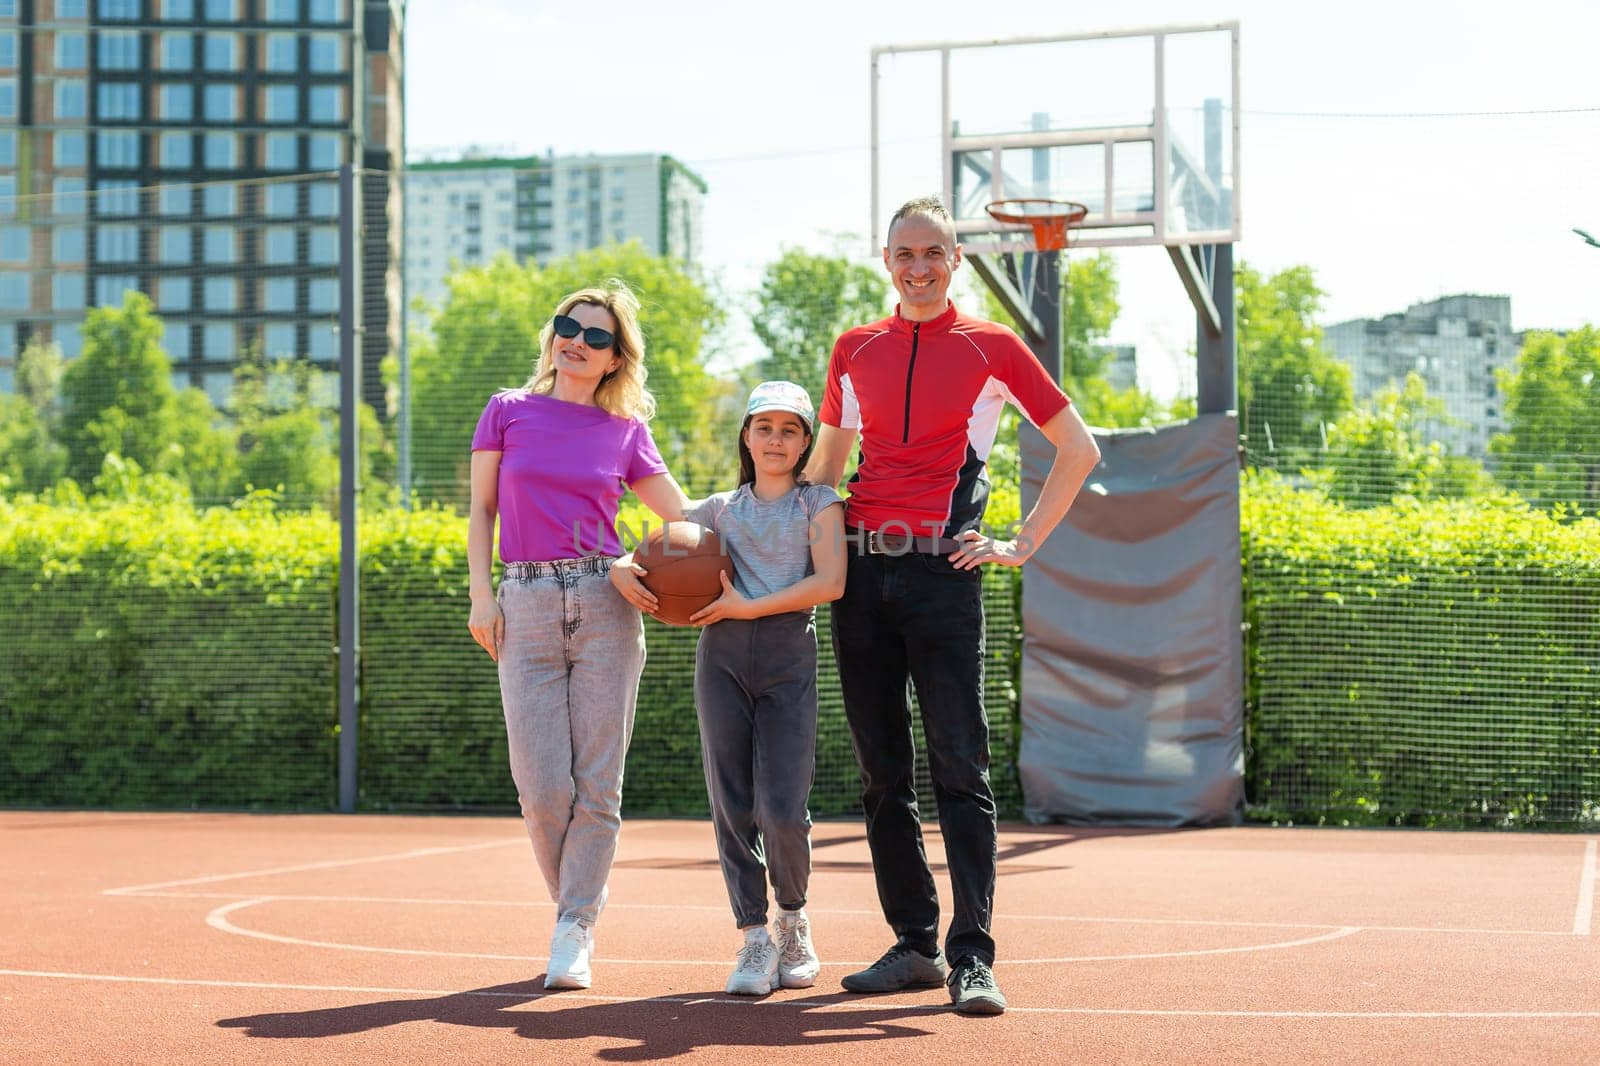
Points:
(1050, 219)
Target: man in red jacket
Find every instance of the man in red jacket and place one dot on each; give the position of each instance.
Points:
(924, 389)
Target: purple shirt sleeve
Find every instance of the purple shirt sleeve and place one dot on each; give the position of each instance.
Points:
(645, 460)
(490, 436)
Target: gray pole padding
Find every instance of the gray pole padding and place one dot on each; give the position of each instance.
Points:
(349, 489)
(1133, 666)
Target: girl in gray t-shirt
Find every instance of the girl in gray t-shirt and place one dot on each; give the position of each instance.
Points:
(756, 680)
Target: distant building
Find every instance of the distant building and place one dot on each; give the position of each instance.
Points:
(467, 211)
(1122, 368)
(1456, 343)
(147, 144)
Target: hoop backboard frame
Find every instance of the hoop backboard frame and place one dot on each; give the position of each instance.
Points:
(1208, 181)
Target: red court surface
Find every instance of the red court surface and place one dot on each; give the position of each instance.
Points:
(222, 938)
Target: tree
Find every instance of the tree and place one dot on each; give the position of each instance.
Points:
(1290, 386)
(31, 459)
(1552, 451)
(116, 395)
(803, 303)
(486, 338)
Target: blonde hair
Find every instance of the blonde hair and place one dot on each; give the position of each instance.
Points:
(621, 392)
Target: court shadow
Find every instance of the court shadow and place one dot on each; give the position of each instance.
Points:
(660, 1027)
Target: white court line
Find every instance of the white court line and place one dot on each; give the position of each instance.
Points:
(417, 853)
(748, 1003)
(1091, 919)
(1584, 915)
(218, 919)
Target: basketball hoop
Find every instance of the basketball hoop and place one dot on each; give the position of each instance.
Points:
(1050, 219)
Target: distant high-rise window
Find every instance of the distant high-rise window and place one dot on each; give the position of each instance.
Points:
(327, 10)
(327, 151)
(176, 200)
(327, 53)
(222, 151)
(8, 147)
(8, 9)
(8, 49)
(221, 103)
(177, 51)
(323, 343)
(71, 149)
(278, 340)
(116, 244)
(68, 198)
(282, 103)
(278, 246)
(220, 341)
(118, 100)
(222, 10)
(175, 244)
(220, 244)
(72, 50)
(283, 53)
(221, 51)
(277, 294)
(327, 103)
(67, 244)
(324, 199)
(176, 101)
(72, 98)
(176, 342)
(14, 243)
(173, 294)
(72, 9)
(117, 148)
(121, 10)
(8, 195)
(109, 289)
(67, 291)
(222, 199)
(323, 294)
(282, 153)
(322, 247)
(117, 50)
(221, 294)
(8, 98)
(177, 10)
(119, 198)
(175, 151)
(282, 10)
(282, 199)
(13, 290)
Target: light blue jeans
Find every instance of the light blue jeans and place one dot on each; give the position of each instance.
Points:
(569, 677)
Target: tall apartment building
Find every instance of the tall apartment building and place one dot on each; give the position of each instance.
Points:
(134, 137)
(468, 211)
(1457, 344)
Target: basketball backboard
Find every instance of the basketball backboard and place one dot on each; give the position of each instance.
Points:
(1140, 125)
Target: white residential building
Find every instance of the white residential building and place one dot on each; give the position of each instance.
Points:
(466, 212)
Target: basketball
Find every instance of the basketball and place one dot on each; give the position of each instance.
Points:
(684, 561)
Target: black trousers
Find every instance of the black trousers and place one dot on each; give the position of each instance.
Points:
(915, 616)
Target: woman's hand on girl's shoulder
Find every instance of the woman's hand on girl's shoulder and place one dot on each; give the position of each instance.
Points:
(625, 575)
(729, 605)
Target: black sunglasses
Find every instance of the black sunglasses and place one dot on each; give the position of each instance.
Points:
(569, 327)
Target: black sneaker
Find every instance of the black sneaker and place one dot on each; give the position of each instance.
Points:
(972, 988)
(902, 966)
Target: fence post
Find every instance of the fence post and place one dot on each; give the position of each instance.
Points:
(349, 488)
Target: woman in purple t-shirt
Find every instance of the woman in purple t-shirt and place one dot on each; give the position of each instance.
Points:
(551, 460)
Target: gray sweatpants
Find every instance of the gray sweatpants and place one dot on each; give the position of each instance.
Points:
(569, 677)
(755, 686)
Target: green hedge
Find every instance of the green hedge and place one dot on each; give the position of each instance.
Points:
(1422, 663)
(168, 657)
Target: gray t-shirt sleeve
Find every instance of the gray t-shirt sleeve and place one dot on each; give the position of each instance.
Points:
(818, 498)
(708, 511)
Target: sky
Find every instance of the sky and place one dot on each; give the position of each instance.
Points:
(1403, 150)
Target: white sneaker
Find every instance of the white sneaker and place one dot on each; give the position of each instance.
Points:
(798, 964)
(755, 971)
(570, 950)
